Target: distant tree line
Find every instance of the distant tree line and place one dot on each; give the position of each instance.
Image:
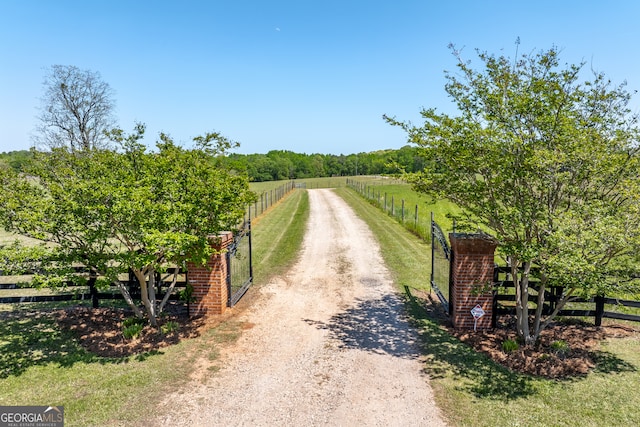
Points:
(15, 159)
(281, 164)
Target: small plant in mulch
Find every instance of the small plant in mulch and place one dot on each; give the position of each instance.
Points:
(169, 327)
(560, 348)
(132, 327)
(509, 345)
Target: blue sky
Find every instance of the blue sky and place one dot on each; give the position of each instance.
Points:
(307, 76)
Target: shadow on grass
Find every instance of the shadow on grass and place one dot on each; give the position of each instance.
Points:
(608, 363)
(32, 338)
(474, 372)
(375, 325)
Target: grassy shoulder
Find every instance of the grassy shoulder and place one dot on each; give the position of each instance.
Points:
(277, 236)
(472, 390)
(40, 364)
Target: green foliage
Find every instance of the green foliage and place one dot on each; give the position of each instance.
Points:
(186, 294)
(560, 347)
(127, 209)
(545, 161)
(169, 327)
(132, 327)
(132, 331)
(130, 321)
(16, 160)
(509, 346)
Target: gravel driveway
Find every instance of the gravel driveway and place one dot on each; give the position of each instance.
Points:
(329, 345)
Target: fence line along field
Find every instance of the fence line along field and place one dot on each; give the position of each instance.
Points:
(397, 199)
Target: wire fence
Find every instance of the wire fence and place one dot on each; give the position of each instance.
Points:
(409, 215)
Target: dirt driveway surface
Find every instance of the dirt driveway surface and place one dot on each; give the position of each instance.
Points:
(329, 345)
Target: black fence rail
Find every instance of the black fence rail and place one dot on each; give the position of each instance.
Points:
(598, 307)
(74, 292)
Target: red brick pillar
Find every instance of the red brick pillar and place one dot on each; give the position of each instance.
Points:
(472, 267)
(209, 281)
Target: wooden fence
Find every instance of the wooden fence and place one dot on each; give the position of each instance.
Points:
(72, 292)
(598, 307)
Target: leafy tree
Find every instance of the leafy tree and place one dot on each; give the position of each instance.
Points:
(115, 211)
(16, 159)
(546, 162)
(77, 110)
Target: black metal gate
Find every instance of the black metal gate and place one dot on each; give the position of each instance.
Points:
(440, 265)
(239, 264)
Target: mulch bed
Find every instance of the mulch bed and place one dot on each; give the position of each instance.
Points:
(582, 342)
(99, 330)
(578, 357)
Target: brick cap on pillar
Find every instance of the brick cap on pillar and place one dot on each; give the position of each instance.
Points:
(473, 243)
(221, 239)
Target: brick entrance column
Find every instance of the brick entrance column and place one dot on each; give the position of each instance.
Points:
(472, 267)
(209, 281)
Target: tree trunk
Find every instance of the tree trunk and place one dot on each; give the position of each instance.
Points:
(144, 294)
(151, 288)
(169, 291)
(522, 300)
(128, 299)
(538, 316)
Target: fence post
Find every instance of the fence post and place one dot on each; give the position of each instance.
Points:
(250, 252)
(599, 300)
(93, 275)
(393, 209)
(494, 303)
(403, 211)
(433, 256)
(416, 219)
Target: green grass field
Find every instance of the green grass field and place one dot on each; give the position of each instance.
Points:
(472, 390)
(390, 195)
